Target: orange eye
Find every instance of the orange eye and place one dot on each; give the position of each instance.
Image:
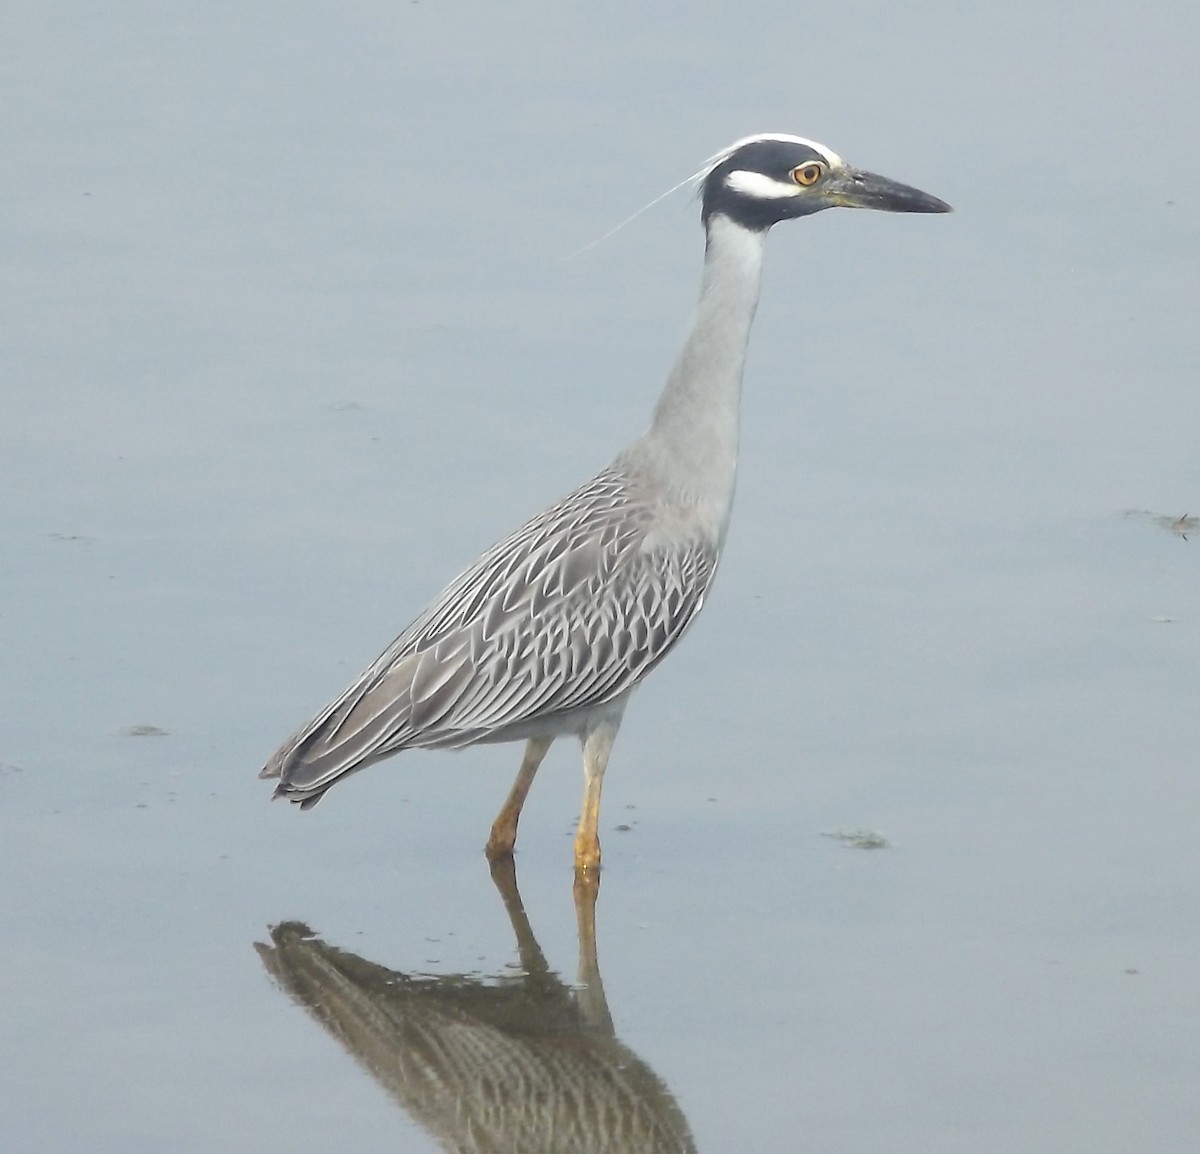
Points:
(808, 174)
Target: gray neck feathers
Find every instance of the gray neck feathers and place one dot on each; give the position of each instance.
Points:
(692, 444)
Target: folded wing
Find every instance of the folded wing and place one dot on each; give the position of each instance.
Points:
(568, 612)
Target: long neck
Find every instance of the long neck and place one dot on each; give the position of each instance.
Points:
(694, 436)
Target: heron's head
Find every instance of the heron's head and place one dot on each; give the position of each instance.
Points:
(764, 179)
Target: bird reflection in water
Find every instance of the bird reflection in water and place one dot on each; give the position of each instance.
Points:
(506, 1063)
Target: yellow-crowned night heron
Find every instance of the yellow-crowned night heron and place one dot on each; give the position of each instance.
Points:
(552, 629)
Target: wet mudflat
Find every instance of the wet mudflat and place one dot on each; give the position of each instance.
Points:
(900, 846)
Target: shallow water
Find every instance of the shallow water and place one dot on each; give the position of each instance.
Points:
(289, 336)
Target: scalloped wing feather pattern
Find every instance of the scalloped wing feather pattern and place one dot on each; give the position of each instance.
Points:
(567, 613)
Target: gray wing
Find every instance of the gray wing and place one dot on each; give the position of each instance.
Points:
(568, 612)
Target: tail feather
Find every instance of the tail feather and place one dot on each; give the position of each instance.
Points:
(357, 729)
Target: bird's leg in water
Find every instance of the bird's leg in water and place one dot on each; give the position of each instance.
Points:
(597, 745)
(504, 828)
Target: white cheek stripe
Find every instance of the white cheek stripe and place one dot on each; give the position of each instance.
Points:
(758, 185)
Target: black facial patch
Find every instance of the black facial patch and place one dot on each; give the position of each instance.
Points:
(771, 158)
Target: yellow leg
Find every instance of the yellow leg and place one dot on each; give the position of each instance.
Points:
(597, 745)
(504, 828)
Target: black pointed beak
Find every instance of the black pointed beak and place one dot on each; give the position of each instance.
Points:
(857, 189)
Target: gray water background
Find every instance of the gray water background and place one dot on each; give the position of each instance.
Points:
(289, 335)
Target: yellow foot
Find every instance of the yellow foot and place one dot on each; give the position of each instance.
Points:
(587, 853)
(498, 849)
(586, 887)
(502, 841)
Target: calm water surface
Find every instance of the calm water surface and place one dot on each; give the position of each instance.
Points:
(289, 335)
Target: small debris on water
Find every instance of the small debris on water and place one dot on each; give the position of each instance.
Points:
(1181, 526)
(144, 731)
(623, 828)
(80, 538)
(858, 838)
